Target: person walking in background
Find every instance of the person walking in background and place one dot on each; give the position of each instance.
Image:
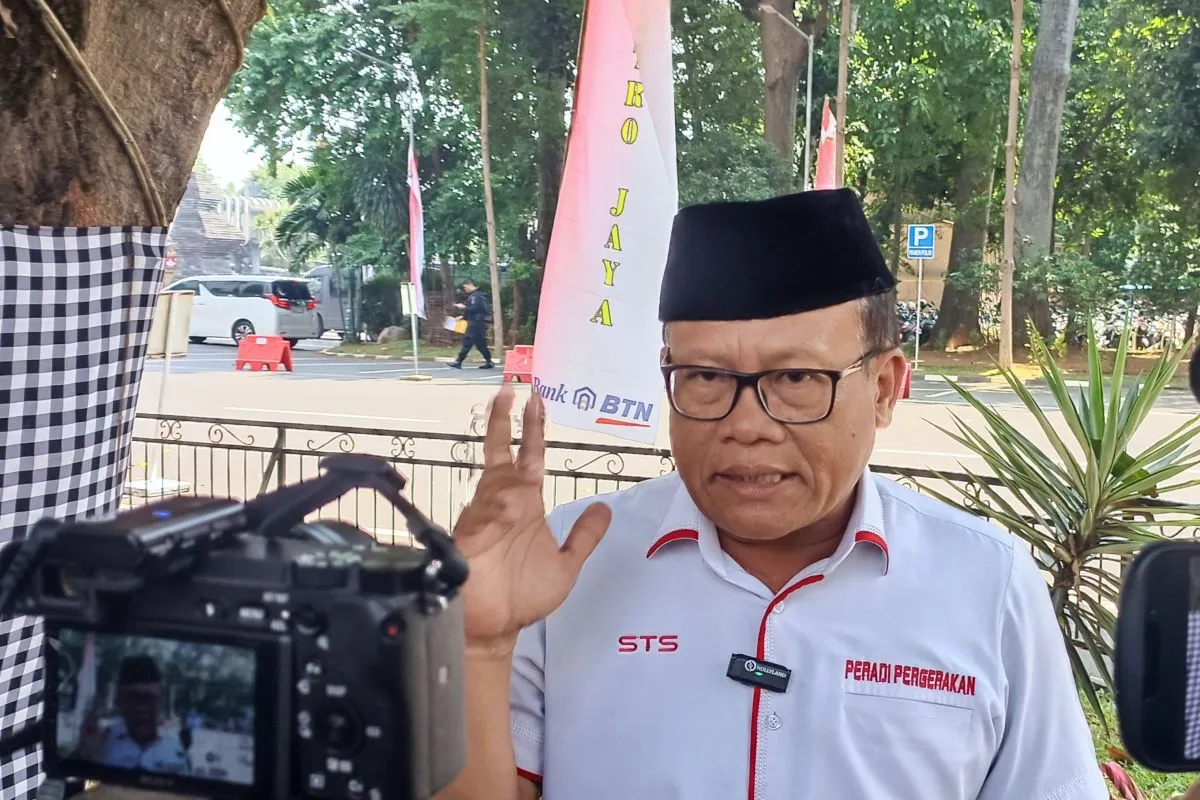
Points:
(476, 311)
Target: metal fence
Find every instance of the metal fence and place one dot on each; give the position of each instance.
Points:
(244, 458)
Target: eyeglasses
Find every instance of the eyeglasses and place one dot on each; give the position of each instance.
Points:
(790, 396)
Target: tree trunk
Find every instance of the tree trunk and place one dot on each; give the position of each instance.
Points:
(958, 316)
(1007, 269)
(1189, 326)
(843, 117)
(784, 52)
(163, 65)
(485, 139)
(1048, 79)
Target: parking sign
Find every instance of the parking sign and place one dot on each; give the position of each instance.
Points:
(921, 242)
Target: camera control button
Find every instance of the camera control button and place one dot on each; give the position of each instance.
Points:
(252, 614)
(316, 782)
(308, 620)
(354, 789)
(211, 609)
(341, 730)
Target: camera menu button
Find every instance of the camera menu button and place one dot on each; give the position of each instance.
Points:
(252, 614)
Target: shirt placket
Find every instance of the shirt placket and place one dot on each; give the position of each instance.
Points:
(770, 732)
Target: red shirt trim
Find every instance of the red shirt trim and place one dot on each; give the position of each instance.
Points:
(874, 538)
(680, 535)
(529, 776)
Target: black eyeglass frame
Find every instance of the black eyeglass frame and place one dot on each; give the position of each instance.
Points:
(754, 380)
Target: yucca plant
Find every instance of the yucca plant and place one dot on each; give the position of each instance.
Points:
(1087, 496)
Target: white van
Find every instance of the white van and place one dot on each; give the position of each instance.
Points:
(237, 306)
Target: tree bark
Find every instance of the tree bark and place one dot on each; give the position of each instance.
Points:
(163, 64)
(958, 316)
(1048, 80)
(1007, 269)
(485, 139)
(785, 52)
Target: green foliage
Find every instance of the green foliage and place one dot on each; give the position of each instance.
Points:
(1166, 258)
(381, 303)
(1085, 493)
(749, 168)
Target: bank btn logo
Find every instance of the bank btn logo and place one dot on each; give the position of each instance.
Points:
(614, 409)
(584, 399)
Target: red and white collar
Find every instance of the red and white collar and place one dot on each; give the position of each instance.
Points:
(684, 523)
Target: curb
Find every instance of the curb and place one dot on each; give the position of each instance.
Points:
(364, 355)
(952, 378)
(406, 359)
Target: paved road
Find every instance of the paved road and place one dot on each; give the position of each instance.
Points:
(309, 362)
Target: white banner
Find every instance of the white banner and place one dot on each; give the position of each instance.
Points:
(598, 337)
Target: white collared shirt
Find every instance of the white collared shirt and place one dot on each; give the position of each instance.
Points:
(164, 755)
(926, 664)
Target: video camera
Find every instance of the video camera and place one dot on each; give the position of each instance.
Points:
(210, 647)
(1157, 651)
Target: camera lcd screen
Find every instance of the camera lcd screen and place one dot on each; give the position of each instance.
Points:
(157, 706)
(1191, 709)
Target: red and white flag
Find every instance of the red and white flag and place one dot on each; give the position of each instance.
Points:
(596, 349)
(416, 230)
(827, 151)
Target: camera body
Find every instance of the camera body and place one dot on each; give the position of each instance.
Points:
(233, 662)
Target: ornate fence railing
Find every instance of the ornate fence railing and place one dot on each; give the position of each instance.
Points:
(244, 458)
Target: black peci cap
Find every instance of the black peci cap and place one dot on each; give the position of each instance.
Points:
(138, 669)
(771, 258)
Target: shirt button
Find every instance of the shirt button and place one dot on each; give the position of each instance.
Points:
(774, 722)
(778, 608)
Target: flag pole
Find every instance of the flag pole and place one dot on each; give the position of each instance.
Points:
(412, 291)
(413, 276)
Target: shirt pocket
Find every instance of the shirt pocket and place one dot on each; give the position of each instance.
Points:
(913, 736)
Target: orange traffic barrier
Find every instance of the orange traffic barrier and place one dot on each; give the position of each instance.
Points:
(267, 353)
(906, 382)
(518, 364)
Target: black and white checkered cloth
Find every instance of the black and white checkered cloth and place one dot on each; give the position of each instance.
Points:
(75, 312)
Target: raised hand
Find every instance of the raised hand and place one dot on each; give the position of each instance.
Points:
(519, 574)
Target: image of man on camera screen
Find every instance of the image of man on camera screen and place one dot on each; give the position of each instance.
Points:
(137, 739)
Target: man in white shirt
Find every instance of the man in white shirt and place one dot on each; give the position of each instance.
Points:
(772, 621)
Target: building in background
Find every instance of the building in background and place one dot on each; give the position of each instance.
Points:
(213, 232)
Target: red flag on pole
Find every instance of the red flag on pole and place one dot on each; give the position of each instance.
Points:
(827, 151)
(416, 230)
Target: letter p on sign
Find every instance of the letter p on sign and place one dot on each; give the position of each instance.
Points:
(921, 242)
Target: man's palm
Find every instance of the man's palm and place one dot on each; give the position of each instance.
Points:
(519, 573)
